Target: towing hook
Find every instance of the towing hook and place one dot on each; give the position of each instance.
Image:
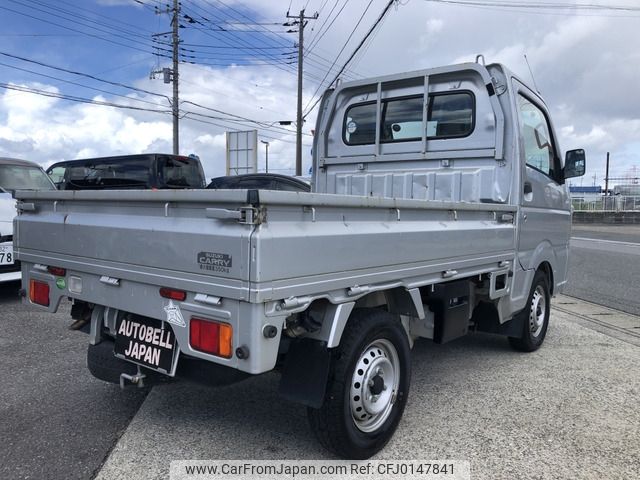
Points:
(137, 379)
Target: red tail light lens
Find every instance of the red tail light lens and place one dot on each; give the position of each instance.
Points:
(173, 294)
(39, 292)
(211, 337)
(57, 271)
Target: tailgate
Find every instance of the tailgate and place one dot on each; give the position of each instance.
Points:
(156, 237)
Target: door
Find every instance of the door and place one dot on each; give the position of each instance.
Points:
(545, 216)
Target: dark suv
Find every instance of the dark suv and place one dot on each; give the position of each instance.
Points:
(144, 171)
(264, 181)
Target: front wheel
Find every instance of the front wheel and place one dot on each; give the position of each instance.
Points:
(535, 316)
(368, 387)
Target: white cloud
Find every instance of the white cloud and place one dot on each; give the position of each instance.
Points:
(586, 67)
(48, 130)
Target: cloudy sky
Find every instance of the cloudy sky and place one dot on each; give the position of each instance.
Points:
(240, 73)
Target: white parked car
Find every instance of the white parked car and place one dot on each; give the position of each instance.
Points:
(15, 175)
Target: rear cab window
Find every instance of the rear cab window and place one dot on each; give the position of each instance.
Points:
(449, 115)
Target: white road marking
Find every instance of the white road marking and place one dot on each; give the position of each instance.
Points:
(609, 246)
(633, 244)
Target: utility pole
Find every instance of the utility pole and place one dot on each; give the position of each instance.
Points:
(175, 108)
(171, 75)
(606, 178)
(301, 21)
(266, 156)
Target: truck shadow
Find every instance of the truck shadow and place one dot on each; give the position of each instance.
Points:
(250, 420)
(9, 292)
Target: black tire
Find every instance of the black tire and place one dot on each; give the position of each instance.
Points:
(105, 366)
(534, 317)
(369, 332)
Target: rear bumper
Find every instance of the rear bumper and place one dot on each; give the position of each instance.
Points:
(109, 297)
(104, 365)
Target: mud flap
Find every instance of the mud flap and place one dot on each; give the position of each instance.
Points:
(305, 374)
(486, 319)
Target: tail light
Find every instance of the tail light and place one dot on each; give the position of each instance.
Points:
(57, 271)
(211, 337)
(39, 292)
(179, 295)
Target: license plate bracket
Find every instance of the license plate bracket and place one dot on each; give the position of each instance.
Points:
(147, 342)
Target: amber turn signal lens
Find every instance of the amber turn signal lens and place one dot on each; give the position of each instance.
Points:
(211, 337)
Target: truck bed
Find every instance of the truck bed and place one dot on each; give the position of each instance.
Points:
(292, 244)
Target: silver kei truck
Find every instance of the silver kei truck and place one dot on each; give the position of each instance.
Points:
(438, 207)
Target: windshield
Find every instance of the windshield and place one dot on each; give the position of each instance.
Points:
(19, 177)
(103, 174)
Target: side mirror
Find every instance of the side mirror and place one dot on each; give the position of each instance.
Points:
(575, 163)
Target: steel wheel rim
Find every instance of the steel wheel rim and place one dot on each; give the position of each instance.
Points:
(538, 312)
(374, 385)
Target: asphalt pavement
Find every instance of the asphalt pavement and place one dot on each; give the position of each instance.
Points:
(568, 411)
(58, 422)
(604, 266)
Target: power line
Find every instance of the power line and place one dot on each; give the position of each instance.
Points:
(80, 20)
(73, 98)
(364, 39)
(76, 83)
(75, 17)
(233, 47)
(81, 74)
(263, 52)
(259, 55)
(236, 130)
(540, 5)
(340, 52)
(76, 30)
(240, 118)
(39, 35)
(316, 40)
(116, 21)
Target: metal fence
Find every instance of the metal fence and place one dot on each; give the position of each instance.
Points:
(615, 203)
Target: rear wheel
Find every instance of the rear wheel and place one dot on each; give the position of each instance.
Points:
(535, 316)
(368, 387)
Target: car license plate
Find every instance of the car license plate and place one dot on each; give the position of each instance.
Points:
(145, 341)
(6, 254)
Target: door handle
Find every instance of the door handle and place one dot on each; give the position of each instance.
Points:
(528, 188)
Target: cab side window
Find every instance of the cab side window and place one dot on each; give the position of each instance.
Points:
(539, 151)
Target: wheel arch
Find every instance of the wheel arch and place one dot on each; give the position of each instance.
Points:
(546, 268)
